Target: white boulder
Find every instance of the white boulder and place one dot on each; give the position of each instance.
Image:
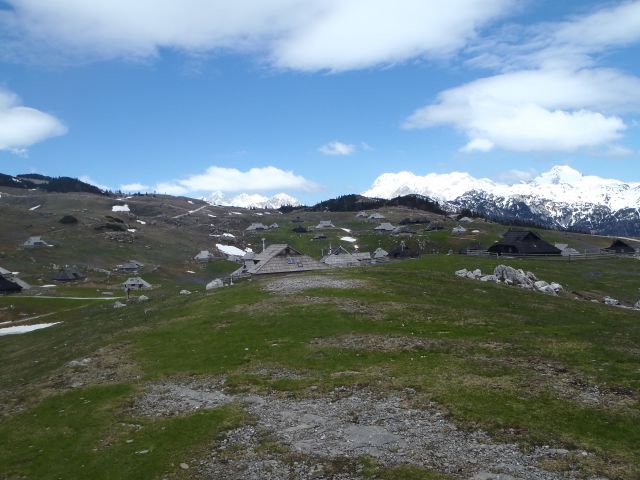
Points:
(540, 284)
(488, 278)
(556, 287)
(462, 273)
(217, 283)
(610, 301)
(185, 292)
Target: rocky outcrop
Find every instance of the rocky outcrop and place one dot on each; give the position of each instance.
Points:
(511, 276)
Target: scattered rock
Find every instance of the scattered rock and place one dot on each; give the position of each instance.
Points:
(79, 363)
(119, 304)
(320, 434)
(184, 466)
(185, 292)
(217, 283)
(610, 301)
(169, 399)
(143, 298)
(511, 276)
(488, 278)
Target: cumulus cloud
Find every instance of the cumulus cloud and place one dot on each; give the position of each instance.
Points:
(337, 148)
(535, 110)
(362, 33)
(134, 187)
(549, 94)
(233, 180)
(21, 127)
(298, 34)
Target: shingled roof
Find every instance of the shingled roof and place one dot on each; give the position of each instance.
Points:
(618, 246)
(340, 257)
(280, 258)
(523, 242)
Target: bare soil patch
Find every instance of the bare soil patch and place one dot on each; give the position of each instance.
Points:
(298, 283)
(567, 384)
(110, 364)
(324, 436)
(377, 342)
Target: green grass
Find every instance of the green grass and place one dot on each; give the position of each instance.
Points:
(83, 434)
(487, 345)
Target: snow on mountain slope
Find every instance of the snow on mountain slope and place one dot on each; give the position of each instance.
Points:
(560, 184)
(255, 200)
(561, 197)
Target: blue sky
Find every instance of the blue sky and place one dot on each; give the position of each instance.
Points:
(205, 96)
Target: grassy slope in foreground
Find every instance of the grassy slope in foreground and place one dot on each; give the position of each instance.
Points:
(494, 359)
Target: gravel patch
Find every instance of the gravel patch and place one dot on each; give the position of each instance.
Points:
(298, 283)
(172, 398)
(324, 437)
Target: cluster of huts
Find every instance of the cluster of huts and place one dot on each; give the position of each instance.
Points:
(282, 258)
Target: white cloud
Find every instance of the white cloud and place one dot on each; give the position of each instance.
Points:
(565, 44)
(134, 187)
(21, 127)
(91, 181)
(536, 110)
(233, 180)
(551, 95)
(363, 33)
(337, 148)
(478, 145)
(299, 34)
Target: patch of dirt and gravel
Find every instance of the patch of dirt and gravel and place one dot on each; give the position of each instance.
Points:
(374, 311)
(377, 342)
(110, 364)
(297, 283)
(325, 436)
(564, 382)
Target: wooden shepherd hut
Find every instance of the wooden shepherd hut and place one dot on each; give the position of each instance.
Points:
(620, 247)
(522, 242)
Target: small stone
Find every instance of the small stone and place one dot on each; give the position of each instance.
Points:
(184, 466)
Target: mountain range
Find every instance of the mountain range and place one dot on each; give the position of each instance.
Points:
(255, 200)
(559, 198)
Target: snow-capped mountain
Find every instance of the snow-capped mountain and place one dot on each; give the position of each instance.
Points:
(561, 197)
(252, 200)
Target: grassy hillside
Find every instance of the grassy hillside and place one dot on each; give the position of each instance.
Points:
(526, 367)
(537, 371)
